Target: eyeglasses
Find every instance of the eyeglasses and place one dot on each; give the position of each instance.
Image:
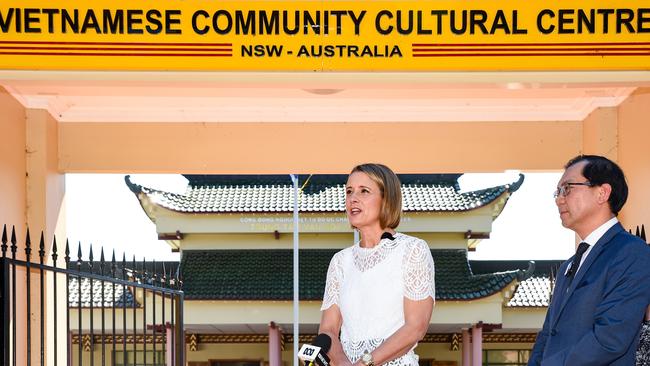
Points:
(565, 189)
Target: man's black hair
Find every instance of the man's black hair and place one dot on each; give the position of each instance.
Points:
(599, 170)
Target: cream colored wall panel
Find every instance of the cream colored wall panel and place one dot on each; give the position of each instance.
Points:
(487, 310)
(524, 318)
(249, 312)
(167, 221)
(307, 241)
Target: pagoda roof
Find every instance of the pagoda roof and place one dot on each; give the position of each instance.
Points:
(318, 193)
(266, 275)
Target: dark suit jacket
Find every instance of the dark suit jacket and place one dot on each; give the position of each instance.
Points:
(595, 320)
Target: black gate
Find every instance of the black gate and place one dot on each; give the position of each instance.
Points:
(62, 311)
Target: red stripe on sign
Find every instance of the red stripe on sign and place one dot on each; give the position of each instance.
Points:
(529, 49)
(532, 54)
(152, 44)
(229, 49)
(114, 54)
(529, 44)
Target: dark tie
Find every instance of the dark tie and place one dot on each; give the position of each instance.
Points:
(582, 248)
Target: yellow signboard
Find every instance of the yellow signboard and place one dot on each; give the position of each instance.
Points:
(326, 35)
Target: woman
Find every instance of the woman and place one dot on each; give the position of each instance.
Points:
(380, 292)
(643, 352)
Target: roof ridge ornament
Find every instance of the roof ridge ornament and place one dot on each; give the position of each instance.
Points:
(135, 188)
(527, 273)
(516, 185)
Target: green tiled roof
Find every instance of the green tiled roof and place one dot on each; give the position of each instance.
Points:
(534, 290)
(320, 193)
(267, 275)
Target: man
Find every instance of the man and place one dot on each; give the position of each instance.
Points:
(601, 293)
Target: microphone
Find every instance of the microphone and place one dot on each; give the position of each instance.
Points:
(315, 354)
(387, 235)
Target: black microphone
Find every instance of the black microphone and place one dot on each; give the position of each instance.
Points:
(315, 354)
(387, 235)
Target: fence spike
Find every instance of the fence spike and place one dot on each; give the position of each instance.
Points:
(145, 273)
(113, 265)
(90, 259)
(67, 254)
(13, 247)
(643, 232)
(154, 274)
(124, 266)
(4, 240)
(134, 272)
(79, 257)
(28, 247)
(55, 255)
(102, 263)
(41, 248)
(637, 231)
(176, 279)
(163, 279)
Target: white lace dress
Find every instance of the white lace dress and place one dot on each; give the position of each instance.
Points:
(369, 286)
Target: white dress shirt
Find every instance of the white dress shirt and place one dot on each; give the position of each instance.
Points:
(593, 238)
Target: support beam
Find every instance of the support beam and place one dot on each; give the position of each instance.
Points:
(633, 157)
(45, 211)
(45, 185)
(270, 148)
(600, 133)
(12, 163)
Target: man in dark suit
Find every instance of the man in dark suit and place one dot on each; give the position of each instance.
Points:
(601, 293)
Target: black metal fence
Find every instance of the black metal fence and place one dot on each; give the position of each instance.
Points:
(640, 232)
(65, 311)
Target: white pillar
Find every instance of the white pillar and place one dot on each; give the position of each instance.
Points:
(296, 266)
(275, 345)
(477, 344)
(169, 349)
(467, 352)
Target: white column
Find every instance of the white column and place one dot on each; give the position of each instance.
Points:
(477, 344)
(169, 350)
(467, 351)
(275, 345)
(296, 266)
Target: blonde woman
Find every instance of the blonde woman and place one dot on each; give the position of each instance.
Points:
(380, 292)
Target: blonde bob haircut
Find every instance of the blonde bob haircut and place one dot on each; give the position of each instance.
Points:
(391, 192)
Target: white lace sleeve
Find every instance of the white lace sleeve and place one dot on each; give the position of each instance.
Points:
(333, 282)
(419, 273)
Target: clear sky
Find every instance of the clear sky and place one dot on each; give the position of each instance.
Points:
(529, 226)
(101, 210)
